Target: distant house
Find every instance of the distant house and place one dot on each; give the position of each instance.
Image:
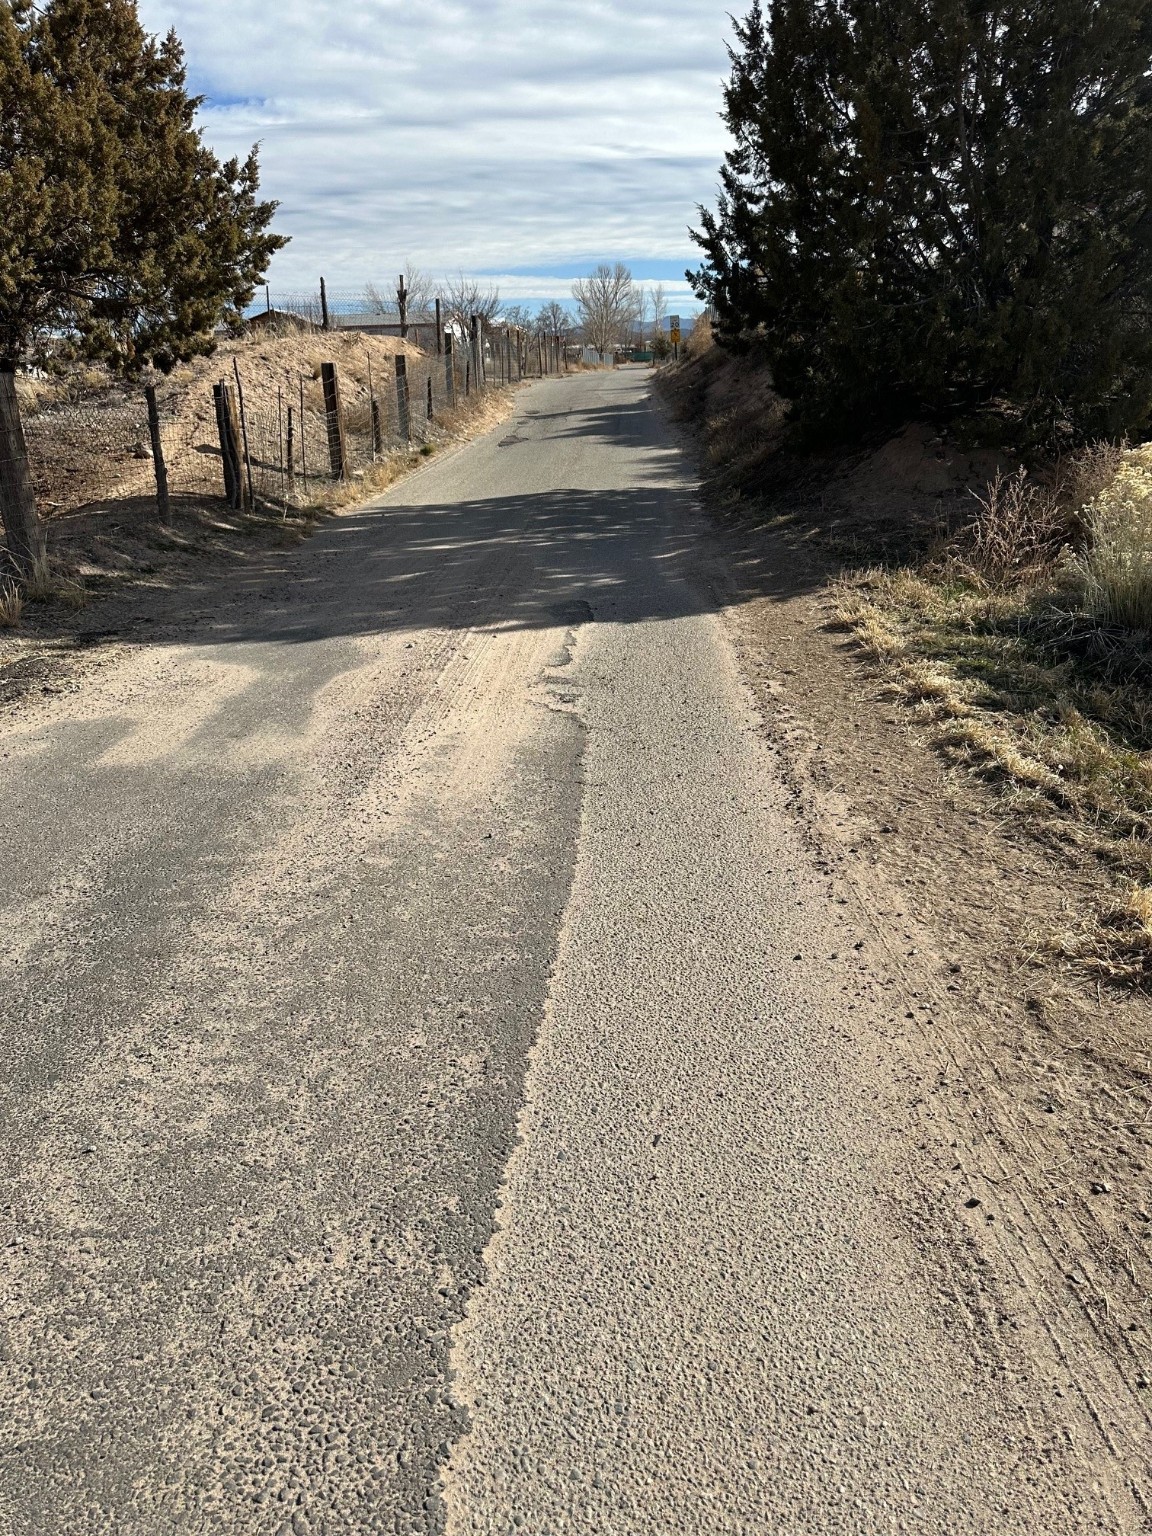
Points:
(276, 320)
(373, 323)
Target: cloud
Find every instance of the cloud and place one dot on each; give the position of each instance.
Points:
(491, 135)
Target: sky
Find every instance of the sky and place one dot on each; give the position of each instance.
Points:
(518, 140)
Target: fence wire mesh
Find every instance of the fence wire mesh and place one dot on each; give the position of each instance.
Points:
(290, 447)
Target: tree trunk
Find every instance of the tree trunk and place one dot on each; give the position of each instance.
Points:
(17, 504)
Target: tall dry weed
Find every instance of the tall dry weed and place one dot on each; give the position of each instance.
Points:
(1018, 531)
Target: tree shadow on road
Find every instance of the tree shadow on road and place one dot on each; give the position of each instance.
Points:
(520, 561)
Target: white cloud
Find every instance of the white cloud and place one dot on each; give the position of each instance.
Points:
(479, 134)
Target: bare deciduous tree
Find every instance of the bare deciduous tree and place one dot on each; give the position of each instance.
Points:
(659, 301)
(554, 320)
(420, 288)
(518, 317)
(462, 297)
(607, 301)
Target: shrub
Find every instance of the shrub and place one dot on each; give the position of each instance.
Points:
(1115, 569)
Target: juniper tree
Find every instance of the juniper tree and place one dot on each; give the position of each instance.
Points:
(932, 204)
(123, 238)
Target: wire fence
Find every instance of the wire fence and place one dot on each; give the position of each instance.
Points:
(370, 310)
(100, 449)
(270, 426)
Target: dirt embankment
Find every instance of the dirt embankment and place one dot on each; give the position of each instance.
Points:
(975, 878)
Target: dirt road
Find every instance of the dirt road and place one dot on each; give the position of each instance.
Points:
(439, 1091)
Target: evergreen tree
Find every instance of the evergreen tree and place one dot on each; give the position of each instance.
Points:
(122, 237)
(934, 204)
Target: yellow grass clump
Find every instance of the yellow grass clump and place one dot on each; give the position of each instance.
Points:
(1115, 570)
(11, 605)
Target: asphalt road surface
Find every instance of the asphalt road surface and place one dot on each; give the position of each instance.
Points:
(437, 1090)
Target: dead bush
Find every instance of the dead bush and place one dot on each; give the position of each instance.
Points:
(1017, 533)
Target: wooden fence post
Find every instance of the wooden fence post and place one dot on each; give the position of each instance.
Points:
(324, 307)
(303, 441)
(374, 412)
(163, 508)
(229, 443)
(449, 372)
(474, 337)
(334, 416)
(403, 415)
(439, 330)
(402, 307)
(280, 446)
(244, 435)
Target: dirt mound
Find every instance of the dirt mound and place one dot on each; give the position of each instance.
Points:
(88, 433)
(887, 498)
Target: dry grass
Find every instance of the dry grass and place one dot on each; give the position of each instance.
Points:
(1016, 533)
(1023, 650)
(700, 336)
(37, 391)
(1115, 944)
(39, 584)
(385, 472)
(1001, 695)
(1115, 568)
(11, 604)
